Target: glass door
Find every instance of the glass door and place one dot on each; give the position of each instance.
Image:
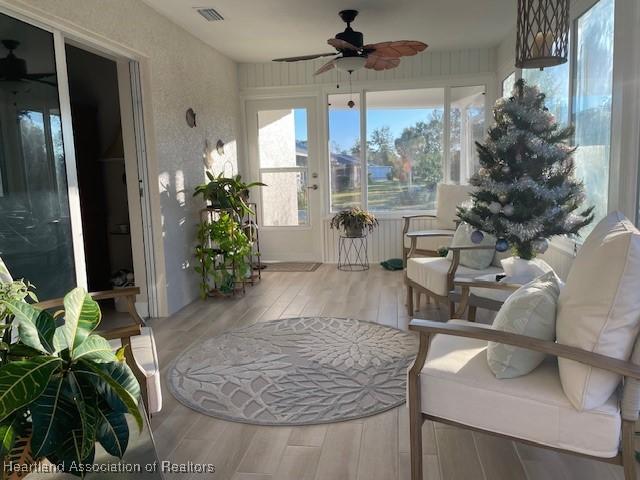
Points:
(283, 146)
(36, 240)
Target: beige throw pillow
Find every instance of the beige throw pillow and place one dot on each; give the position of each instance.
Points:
(476, 259)
(599, 308)
(530, 311)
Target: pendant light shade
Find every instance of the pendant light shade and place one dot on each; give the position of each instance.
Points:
(542, 38)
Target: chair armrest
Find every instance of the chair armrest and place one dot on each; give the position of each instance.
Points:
(430, 233)
(407, 220)
(120, 332)
(472, 283)
(422, 215)
(427, 328)
(471, 247)
(103, 295)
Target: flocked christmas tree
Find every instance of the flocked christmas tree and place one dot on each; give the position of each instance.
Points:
(526, 191)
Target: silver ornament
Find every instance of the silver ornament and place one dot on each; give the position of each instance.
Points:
(495, 207)
(502, 198)
(508, 210)
(518, 157)
(506, 169)
(541, 245)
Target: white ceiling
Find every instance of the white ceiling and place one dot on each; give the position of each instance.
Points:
(260, 30)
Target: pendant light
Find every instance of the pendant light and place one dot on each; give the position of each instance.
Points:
(542, 38)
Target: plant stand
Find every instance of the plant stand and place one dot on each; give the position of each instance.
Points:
(353, 253)
(221, 266)
(251, 230)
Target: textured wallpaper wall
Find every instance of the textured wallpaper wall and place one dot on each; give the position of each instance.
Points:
(185, 73)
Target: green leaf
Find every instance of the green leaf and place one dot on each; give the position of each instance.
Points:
(96, 349)
(52, 416)
(35, 327)
(8, 434)
(69, 452)
(82, 316)
(113, 431)
(23, 381)
(84, 397)
(117, 384)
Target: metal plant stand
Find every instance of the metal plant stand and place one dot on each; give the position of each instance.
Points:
(353, 253)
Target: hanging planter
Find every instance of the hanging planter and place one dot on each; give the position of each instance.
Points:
(542, 38)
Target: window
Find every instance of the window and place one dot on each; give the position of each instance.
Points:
(467, 128)
(554, 83)
(404, 148)
(404, 154)
(593, 86)
(344, 152)
(507, 84)
(283, 152)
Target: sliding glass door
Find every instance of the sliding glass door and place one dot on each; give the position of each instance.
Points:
(35, 220)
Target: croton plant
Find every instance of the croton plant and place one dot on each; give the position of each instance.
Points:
(62, 385)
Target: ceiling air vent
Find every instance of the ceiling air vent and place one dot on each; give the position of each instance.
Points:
(210, 14)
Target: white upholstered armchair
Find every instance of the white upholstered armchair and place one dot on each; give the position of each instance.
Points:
(582, 399)
(437, 230)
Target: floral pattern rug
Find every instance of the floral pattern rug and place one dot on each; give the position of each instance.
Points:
(296, 371)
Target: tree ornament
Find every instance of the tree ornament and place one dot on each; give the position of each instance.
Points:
(518, 157)
(502, 198)
(506, 169)
(483, 172)
(540, 245)
(495, 207)
(477, 236)
(508, 210)
(502, 245)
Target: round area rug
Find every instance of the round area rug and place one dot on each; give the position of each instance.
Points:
(296, 371)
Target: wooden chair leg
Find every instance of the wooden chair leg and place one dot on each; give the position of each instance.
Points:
(417, 305)
(471, 316)
(410, 301)
(415, 412)
(628, 450)
(452, 310)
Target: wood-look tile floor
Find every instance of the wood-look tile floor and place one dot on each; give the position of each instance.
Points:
(367, 449)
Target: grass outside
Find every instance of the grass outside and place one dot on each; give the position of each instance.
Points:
(387, 196)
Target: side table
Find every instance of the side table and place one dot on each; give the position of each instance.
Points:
(353, 253)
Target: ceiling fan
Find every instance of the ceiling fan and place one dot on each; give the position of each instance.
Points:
(353, 54)
(14, 69)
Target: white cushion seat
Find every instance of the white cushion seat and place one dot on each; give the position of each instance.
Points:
(144, 351)
(456, 384)
(431, 273)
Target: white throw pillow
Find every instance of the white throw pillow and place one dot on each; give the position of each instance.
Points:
(530, 311)
(599, 308)
(476, 259)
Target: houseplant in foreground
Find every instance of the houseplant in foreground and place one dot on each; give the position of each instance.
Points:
(354, 221)
(64, 389)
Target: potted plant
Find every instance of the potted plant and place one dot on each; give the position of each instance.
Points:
(354, 221)
(68, 388)
(227, 193)
(223, 255)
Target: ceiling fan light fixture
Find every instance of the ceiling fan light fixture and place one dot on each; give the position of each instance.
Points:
(350, 64)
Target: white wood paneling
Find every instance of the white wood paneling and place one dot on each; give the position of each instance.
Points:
(428, 64)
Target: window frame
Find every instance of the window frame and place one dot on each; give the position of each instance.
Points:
(362, 90)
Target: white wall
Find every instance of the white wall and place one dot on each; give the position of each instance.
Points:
(183, 72)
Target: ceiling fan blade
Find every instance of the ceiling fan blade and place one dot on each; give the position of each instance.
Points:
(326, 67)
(402, 48)
(374, 62)
(303, 57)
(341, 44)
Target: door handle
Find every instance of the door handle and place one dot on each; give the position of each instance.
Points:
(313, 187)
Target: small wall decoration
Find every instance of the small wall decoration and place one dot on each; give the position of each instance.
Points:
(220, 147)
(191, 118)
